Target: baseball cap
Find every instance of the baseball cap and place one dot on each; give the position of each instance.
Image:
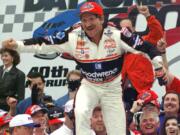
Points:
(56, 115)
(91, 7)
(34, 109)
(68, 106)
(149, 96)
(5, 119)
(22, 120)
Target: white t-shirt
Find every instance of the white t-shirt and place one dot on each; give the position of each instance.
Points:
(63, 130)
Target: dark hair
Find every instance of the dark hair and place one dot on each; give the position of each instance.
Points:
(163, 128)
(97, 108)
(171, 92)
(35, 75)
(13, 53)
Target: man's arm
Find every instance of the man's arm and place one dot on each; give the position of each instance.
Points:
(21, 86)
(43, 48)
(36, 48)
(58, 38)
(136, 42)
(155, 29)
(12, 102)
(161, 46)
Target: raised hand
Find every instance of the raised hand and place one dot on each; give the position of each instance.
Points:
(12, 102)
(161, 45)
(137, 105)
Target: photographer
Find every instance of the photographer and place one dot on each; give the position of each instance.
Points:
(74, 78)
(68, 126)
(36, 84)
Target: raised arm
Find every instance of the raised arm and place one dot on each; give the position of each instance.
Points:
(58, 38)
(136, 42)
(155, 29)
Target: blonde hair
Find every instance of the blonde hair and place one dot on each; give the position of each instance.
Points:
(76, 72)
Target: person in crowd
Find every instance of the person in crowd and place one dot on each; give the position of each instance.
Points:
(98, 51)
(171, 106)
(173, 82)
(153, 25)
(146, 102)
(7, 116)
(170, 126)
(97, 123)
(36, 84)
(171, 100)
(74, 78)
(171, 103)
(56, 118)
(39, 116)
(22, 124)
(149, 123)
(12, 80)
(4, 124)
(141, 77)
(68, 126)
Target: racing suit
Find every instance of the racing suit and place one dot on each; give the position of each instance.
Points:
(101, 67)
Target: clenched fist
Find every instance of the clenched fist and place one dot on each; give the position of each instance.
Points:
(12, 102)
(161, 45)
(9, 43)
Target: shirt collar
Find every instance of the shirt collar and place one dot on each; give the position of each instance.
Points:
(7, 69)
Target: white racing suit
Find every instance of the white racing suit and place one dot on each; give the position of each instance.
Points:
(101, 67)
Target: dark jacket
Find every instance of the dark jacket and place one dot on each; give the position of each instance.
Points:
(12, 84)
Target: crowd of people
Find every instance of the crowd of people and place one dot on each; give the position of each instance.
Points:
(111, 92)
